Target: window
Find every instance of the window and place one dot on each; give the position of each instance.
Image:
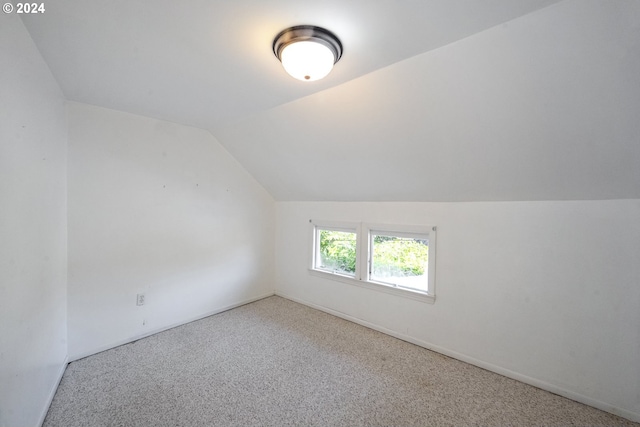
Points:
(394, 259)
(336, 251)
(399, 260)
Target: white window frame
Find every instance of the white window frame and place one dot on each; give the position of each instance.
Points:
(351, 227)
(363, 256)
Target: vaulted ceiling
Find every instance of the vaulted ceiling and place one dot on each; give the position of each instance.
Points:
(433, 100)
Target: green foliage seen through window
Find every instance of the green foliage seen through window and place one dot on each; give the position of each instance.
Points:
(399, 256)
(392, 256)
(338, 251)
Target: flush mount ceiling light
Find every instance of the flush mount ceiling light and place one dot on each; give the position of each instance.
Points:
(307, 52)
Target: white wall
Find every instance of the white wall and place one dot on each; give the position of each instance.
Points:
(545, 292)
(33, 229)
(161, 209)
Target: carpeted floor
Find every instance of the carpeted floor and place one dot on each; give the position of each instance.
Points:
(278, 363)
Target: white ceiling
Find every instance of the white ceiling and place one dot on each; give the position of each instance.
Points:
(434, 100)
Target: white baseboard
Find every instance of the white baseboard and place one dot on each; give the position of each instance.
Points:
(633, 416)
(53, 390)
(100, 349)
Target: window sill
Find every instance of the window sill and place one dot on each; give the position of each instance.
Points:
(388, 289)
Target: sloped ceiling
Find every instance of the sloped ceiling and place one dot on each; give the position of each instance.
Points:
(432, 101)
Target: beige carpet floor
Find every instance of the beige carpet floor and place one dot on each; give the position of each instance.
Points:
(278, 363)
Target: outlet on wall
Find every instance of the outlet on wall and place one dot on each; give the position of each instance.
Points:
(140, 299)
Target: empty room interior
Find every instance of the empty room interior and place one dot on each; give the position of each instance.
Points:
(463, 178)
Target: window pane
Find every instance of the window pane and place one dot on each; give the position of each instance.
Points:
(337, 252)
(402, 261)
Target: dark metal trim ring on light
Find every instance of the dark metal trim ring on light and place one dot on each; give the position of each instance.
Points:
(301, 33)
